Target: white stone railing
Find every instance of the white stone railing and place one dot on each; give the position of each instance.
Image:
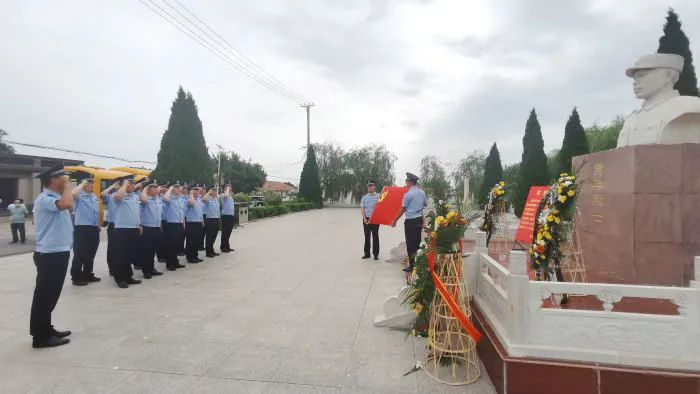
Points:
(526, 327)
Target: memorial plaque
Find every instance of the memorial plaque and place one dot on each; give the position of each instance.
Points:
(640, 213)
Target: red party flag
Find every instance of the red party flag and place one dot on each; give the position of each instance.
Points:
(388, 206)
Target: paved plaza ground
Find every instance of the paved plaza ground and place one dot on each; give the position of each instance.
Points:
(290, 311)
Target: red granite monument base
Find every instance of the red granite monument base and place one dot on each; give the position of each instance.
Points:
(640, 213)
(524, 375)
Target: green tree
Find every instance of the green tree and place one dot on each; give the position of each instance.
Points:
(5, 149)
(553, 164)
(604, 137)
(183, 153)
(533, 167)
(493, 173)
(243, 175)
(434, 178)
(511, 174)
(310, 182)
(574, 144)
(473, 167)
(347, 172)
(675, 41)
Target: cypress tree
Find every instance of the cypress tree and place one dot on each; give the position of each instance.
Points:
(183, 153)
(574, 144)
(493, 173)
(310, 182)
(533, 167)
(675, 41)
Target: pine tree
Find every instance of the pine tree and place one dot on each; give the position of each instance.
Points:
(310, 182)
(574, 144)
(675, 41)
(183, 153)
(533, 167)
(493, 173)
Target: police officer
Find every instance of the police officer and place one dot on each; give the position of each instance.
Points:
(184, 204)
(107, 199)
(160, 250)
(367, 204)
(127, 228)
(86, 233)
(211, 223)
(149, 239)
(202, 192)
(413, 203)
(227, 214)
(174, 227)
(54, 238)
(194, 226)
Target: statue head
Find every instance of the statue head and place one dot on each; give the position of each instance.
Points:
(655, 73)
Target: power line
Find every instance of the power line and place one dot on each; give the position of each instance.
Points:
(207, 44)
(78, 152)
(238, 54)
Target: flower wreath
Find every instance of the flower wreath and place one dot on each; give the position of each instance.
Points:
(495, 197)
(545, 250)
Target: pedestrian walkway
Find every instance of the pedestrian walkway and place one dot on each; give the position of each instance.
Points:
(290, 311)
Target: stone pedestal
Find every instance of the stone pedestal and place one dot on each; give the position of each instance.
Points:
(640, 213)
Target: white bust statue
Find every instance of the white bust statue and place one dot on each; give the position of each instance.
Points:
(665, 117)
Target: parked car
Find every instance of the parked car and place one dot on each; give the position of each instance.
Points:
(256, 201)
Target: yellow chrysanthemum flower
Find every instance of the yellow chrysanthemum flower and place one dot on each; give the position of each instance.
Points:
(451, 215)
(548, 235)
(562, 199)
(502, 183)
(550, 218)
(571, 193)
(557, 220)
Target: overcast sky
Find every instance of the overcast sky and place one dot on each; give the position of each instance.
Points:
(422, 77)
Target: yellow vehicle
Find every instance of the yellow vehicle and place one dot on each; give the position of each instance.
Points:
(103, 179)
(139, 173)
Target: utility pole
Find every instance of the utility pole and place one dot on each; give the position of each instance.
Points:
(308, 122)
(218, 172)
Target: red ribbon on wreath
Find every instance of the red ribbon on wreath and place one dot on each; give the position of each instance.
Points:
(449, 298)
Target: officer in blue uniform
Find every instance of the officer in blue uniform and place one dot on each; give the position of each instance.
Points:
(54, 239)
(367, 204)
(194, 225)
(160, 250)
(107, 200)
(174, 227)
(184, 198)
(211, 223)
(151, 223)
(414, 201)
(202, 236)
(127, 228)
(227, 216)
(86, 233)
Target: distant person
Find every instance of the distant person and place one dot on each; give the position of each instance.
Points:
(18, 217)
(86, 233)
(150, 237)
(202, 192)
(367, 204)
(211, 223)
(111, 209)
(54, 239)
(227, 215)
(194, 226)
(414, 201)
(127, 228)
(174, 227)
(160, 250)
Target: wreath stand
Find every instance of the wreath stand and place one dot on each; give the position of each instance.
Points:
(499, 244)
(451, 353)
(573, 266)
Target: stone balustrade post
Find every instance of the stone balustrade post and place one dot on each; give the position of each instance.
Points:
(696, 282)
(471, 265)
(517, 288)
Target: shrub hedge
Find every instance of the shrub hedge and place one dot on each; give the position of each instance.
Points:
(268, 211)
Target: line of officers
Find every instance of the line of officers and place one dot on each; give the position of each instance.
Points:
(144, 221)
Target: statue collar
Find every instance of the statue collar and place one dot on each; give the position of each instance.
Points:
(658, 100)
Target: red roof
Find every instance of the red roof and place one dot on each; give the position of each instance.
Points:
(277, 187)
